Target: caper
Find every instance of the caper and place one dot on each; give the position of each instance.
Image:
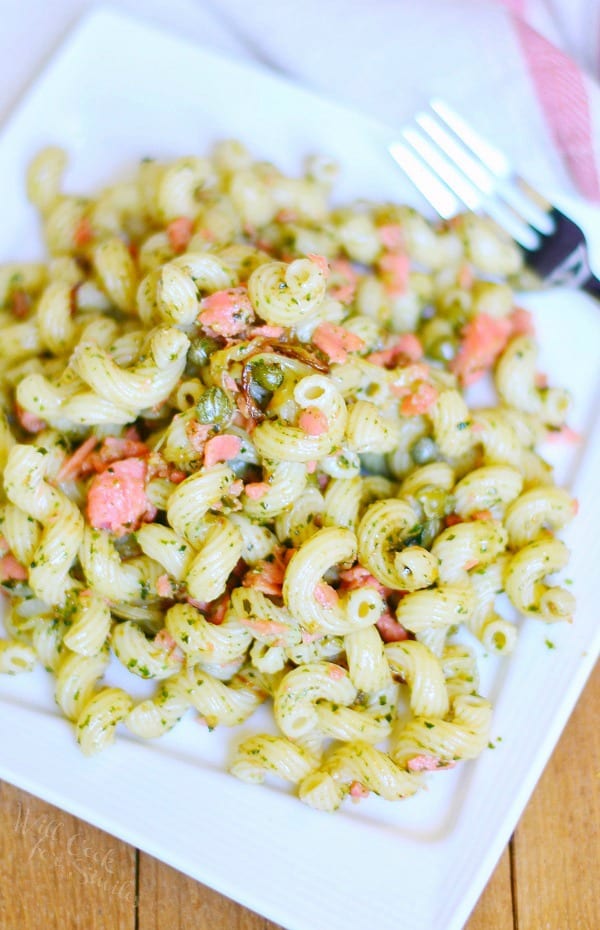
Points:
(424, 450)
(214, 406)
(199, 353)
(268, 375)
(433, 501)
(430, 530)
(443, 349)
(450, 505)
(423, 534)
(456, 314)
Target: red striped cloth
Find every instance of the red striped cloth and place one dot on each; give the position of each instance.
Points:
(563, 89)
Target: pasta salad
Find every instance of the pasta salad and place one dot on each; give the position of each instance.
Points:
(240, 458)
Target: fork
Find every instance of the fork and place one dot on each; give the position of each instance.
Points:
(455, 168)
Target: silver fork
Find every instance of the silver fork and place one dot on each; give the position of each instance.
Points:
(455, 168)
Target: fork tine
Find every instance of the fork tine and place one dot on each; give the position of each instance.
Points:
(435, 164)
(490, 156)
(524, 200)
(534, 208)
(426, 181)
(455, 179)
(465, 178)
(479, 178)
(458, 152)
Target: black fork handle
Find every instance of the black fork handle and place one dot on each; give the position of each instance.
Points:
(563, 258)
(575, 272)
(592, 286)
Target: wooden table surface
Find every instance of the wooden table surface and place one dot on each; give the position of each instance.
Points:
(58, 873)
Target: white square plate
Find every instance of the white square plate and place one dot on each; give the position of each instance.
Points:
(118, 91)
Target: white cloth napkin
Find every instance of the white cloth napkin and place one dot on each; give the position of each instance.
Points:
(520, 70)
(498, 63)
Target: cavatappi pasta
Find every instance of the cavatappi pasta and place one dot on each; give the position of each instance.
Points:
(239, 458)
